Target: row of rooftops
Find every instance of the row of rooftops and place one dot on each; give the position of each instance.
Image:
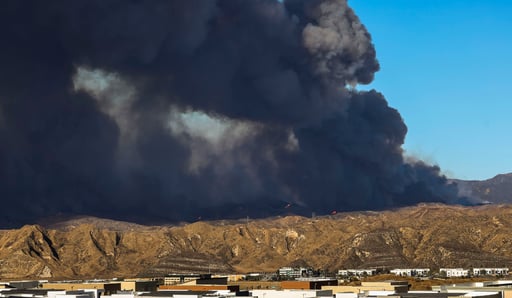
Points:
(455, 272)
(211, 287)
(390, 289)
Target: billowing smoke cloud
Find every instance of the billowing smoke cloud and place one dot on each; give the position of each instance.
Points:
(174, 110)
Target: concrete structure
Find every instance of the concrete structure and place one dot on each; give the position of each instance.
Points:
(251, 285)
(503, 287)
(180, 294)
(24, 284)
(454, 272)
(174, 294)
(357, 272)
(173, 279)
(291, 293)
(205, 283)
(106, 288)
(432, 294)
(212, 281)
(489, 271)
(139, 286)
(12, 292)
(237, 277)
(419, 272)
(308, 283)
(292, 272)
(199, 288)
(394, 286)
(345, 295)
(73, 294)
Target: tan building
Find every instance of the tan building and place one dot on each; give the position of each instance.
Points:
(199, 288)
(139, 286)
(504, 287)
(396, 286)
(255, 285)
(308, 284)
(108, 288)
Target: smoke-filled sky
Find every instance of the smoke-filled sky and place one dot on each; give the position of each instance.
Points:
(179, 110)
(445, 65)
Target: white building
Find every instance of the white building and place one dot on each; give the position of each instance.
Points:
(490, 271)
(74, 294)
(454, 272)
(411, 272)
(357, 272)
(291, 293)
(292, 272)
(180, 278)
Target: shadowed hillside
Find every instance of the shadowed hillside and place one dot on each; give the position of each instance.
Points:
(496, 190)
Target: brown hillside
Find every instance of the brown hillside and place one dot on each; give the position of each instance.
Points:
(425, 235)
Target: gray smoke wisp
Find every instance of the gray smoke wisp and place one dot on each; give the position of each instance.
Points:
(186, 109)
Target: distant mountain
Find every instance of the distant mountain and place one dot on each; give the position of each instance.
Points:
(428, 235)
(497, 190)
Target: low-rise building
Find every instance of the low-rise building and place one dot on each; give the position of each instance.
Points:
(139, 286)
(356, 272)
(13, 292)
(207, 283)
(503, 287)
(292, 272)
(308, 283)
(73, 294)
(106, 288)
(291, 293)
(394, 286)
(454, 272)
(489, 271)
(419, 272)
(173, 279)
(24, 284)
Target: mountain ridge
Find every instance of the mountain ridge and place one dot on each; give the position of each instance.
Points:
(496, 190)
(426, 235)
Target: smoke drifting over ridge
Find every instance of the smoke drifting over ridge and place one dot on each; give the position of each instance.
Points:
(173, 110)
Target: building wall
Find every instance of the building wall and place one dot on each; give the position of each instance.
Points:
(71, 294)
(346, 295)
(357, 272)
(212, 281)
(251, 285)
(304, 285)
(362, 289)
(200, 287)
(507, 293)
(180, 278)
(29, 284)
(300, 285)
(139, 286)
(285, 294)
(490, 271)
(411, 272)
(108, 288)
(454, 272)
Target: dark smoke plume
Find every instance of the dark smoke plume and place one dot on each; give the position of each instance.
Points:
(175, 110)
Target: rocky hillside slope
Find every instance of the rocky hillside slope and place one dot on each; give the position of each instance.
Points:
(425, 235)
(496, 190)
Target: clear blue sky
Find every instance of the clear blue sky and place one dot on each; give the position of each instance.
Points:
(445, 65)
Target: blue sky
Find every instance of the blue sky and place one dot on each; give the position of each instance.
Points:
(445, 65)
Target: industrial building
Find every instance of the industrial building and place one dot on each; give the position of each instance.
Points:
(415, 272)
(454, 272)
(489, 271)
(356, 272)
(392, 286)
(106, 288)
